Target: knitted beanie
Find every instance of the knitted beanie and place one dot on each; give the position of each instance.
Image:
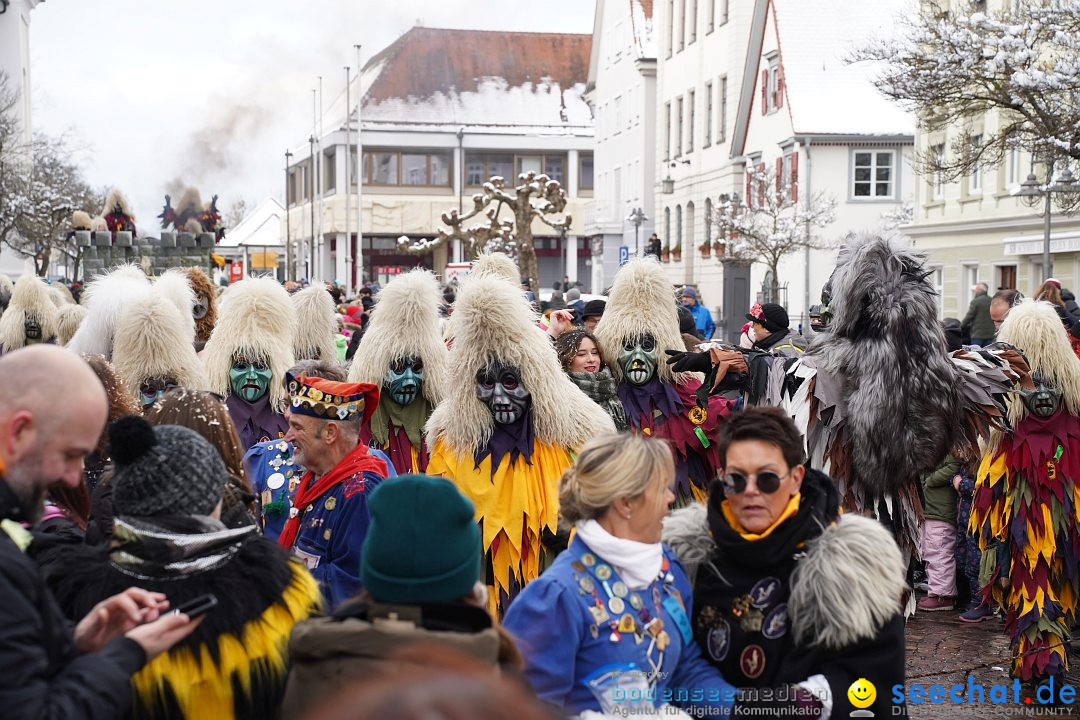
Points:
(423, 543)
(163, 470)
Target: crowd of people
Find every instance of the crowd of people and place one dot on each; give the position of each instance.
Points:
(426, 501)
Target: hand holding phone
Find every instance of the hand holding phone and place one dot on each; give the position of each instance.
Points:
(198, 606)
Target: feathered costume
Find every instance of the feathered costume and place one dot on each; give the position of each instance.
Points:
(1026, 507)
(642, 303)
(316, 324)
(509, 472)
(877, 397)
(154, 342)
(31, 301)
(104, 299)
(405, 326)
(205, 304)
(256, 323)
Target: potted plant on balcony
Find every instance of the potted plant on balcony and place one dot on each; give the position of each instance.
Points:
(676, 253)
(718, 248)
(705, 248)
(665, 253)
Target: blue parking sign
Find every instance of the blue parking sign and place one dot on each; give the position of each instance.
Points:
(624, 254)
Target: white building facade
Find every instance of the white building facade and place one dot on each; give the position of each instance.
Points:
(15, 55)
(622, 92)
(442, 112)
(765, 85)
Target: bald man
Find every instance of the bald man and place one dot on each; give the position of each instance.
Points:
(52, 410)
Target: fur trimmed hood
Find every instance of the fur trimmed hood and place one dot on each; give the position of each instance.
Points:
(1035, 328)
(31, 298)
(104, 299)
(154, 340)
(494, 321)
(853, 565)
(203, 287)
(114, 198)
(256, 320)
(316, 324)
(68, 319)
(406, 322)
(642, 300)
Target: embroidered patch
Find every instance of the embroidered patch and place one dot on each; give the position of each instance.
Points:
(776, 622)
(310, 559)
(719, 640)
(275, 481)
(764, 592)
(752, 661)
(353, 485)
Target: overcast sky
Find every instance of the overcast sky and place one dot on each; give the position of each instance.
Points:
(156, 94)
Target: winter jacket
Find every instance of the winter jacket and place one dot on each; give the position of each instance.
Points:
(328, 654)
(233, 665)
(939, 496)
(601, 389)
(784, 343)
(790, 608)
(1070, 303)
(703, 319)
(978, 318)
(42, 675)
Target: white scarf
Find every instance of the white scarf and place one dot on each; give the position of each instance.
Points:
(637, 563)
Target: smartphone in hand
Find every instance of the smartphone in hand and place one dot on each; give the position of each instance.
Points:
(197, 607)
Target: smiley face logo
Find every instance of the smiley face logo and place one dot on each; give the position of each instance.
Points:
(862, 693)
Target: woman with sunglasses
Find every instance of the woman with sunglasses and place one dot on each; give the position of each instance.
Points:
(787, 592)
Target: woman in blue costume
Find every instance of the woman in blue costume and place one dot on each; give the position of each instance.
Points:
(606, 628)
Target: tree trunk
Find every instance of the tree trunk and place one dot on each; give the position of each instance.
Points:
(526, 252)
(774, 283)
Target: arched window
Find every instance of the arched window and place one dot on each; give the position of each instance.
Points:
(667, 227)
(708, 220)
(690, 237)
(678, 227)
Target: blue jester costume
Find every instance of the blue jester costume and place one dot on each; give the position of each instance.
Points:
(1026, 506)
(329, 517)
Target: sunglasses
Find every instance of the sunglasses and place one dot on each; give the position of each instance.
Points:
(767, 482)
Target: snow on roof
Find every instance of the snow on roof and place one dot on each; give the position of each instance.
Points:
(825, 94)
(514, 82)
(641, 18)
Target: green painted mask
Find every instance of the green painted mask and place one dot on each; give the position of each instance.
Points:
(249, 379)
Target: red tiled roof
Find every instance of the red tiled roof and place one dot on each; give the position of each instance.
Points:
(425, 61)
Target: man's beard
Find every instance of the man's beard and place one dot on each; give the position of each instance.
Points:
(26, 486)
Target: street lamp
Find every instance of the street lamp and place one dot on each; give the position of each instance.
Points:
(310, 270)
(289, 275)
(637, 217)
(1031, 192)
(667, 185)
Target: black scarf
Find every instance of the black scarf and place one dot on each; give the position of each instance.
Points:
(773, 339)
(515, 439)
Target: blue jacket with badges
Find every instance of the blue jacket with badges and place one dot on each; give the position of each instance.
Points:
(274, 476)
(579, 617)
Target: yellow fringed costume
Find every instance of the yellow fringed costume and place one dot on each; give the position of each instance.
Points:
(514, 506)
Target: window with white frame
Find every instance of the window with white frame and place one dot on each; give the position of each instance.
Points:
(721, 131)
(722, 16)
(706, 141)
(772, 101)
(678, 127)
(710, 15)
(1014, 171)
(690, 98)
(667, 131)
(970, 275)
(937, 281)
(937, 179)
(873, 174)
(693, 20)
(618, 115)
(975, 178)
(670, 27)
(682, 24)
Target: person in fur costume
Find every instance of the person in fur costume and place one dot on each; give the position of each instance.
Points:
(105, 298)
(68, 319)
(877, 398)
(402, 351)
(788, 592)
(117, 213)
(316, 324)
(640, 323)
(205, 309)
(6, 289)
(153, 351)
(167, 537)
(30, 317)
(248, 354)
(1027, 493)
(506, 429)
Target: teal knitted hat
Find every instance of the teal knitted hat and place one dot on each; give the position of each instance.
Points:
(423, 543)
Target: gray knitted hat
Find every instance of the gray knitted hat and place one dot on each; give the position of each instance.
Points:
(163, 470)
